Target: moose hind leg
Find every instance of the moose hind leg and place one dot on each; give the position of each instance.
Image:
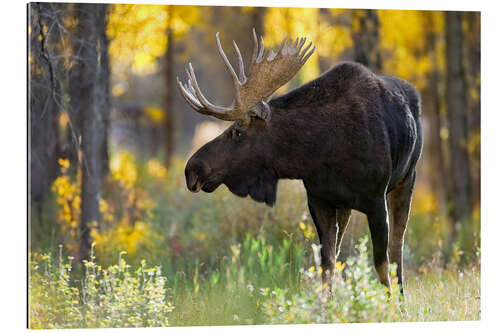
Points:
(399, 205)
(324, 218)
(379, 230)
(343, 216)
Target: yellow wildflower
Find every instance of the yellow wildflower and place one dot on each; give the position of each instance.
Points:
(64, 163)
(340, 266)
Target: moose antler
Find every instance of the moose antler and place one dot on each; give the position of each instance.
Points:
(267, 73)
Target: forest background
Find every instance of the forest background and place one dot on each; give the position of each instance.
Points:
(109, 136)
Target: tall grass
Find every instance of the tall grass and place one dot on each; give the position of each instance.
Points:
(248, 288)
(228, 260)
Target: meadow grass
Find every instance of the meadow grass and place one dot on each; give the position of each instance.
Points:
(450, 296)
(444, 295)
(433, 294)
(238, 293)
(216, 259)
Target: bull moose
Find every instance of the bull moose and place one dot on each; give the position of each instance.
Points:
(353, 137)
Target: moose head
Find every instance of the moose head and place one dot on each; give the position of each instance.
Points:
(242, 157)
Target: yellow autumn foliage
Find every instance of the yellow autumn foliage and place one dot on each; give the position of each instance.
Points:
(106, 211)
(123, 217)
(331, 40)
(67, 192)
(138, 34)
(424, 201)
(155, 113)
(156, 169)
(123, 169)
(123, 237)
(279, 24)
(403, 38)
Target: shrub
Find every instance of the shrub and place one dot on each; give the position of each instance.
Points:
(357, 297)
(110, 297)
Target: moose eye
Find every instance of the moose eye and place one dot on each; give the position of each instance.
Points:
(236, 134)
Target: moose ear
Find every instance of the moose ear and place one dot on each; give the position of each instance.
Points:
(261, 110)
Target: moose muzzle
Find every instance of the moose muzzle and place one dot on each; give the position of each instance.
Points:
(199, 175)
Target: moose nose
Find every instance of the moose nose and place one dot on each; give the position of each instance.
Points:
(196, 172)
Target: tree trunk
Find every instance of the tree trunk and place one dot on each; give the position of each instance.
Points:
(432, 97)
(365, 35)
(461, 207)
(104, 98)
(258, 19)
(44, 98)
(87, 101)
(169, 117)
(439, 177)
(325, 63)
(472, 50)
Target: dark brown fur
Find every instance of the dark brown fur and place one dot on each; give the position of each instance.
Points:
(353, 137)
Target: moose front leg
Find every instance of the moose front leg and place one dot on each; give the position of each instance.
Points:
(324, 218)
(379, 230)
